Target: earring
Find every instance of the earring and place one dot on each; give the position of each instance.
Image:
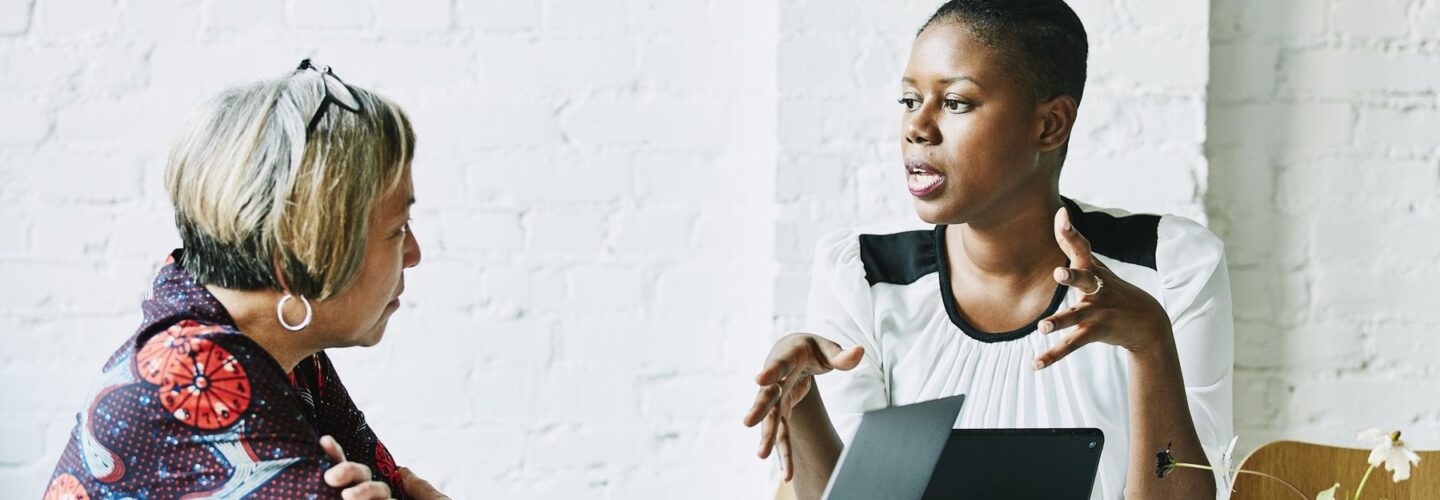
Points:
(280, 313)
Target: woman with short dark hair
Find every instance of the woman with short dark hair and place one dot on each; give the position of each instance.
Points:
(1043, 311)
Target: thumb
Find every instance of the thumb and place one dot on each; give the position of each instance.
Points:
(417, 487)
(841, 359)
(332, 448)
(1076, 248)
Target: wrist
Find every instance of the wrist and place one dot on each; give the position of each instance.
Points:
(1157, 345)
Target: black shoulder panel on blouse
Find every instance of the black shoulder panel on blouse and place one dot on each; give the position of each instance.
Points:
(1129, 239)
(898, 258)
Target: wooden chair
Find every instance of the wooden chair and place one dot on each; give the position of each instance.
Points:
(1314, 467)
(785, 492)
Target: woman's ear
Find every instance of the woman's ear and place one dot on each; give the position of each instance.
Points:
(1058, 117)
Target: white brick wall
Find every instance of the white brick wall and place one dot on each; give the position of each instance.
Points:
(619, 201)
(594, 182)
(1324, 182)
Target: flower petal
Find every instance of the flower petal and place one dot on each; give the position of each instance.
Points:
(1328, 494)
(1373, 434)
(1377, 455)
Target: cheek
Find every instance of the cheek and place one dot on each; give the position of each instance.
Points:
(986, 147)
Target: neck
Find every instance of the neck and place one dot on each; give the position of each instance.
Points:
(1012, 247)
(254, 315)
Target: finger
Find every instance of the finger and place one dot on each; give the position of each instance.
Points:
(777, 366)
(370, 490)
(1075, 246)
(767, 433)
(332, 448)
(346, 474)
(767, 397)
(417, 487)
(1067, 345)
(782, 440)
(1080, 279)
(1062, 320)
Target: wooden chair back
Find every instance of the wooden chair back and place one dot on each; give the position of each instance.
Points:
(1314, 467)
(784, 492)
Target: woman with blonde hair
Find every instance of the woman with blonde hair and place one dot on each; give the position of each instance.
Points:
(292, 200)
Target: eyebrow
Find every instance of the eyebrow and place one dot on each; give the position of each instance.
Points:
(944, 81)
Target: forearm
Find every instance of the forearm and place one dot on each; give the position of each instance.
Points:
(1160, 417)
(815, 446)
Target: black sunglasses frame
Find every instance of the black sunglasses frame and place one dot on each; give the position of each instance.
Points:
(326, 72)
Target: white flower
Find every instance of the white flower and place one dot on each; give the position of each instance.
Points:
(1390, 451)
(1328, 494)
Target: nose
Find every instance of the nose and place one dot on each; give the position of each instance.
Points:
(919, 126)
(412, 249)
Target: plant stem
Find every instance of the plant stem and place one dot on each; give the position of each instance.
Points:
(1364, 478)
(1243, 471)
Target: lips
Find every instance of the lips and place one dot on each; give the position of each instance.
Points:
(922, 179)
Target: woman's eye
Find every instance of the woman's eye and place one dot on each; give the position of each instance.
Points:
(956, 105)
(910, 103)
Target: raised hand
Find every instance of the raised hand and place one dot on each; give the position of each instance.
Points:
(1110, 310)
(785, 380)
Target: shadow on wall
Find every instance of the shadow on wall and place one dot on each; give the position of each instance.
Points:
(1324, 185)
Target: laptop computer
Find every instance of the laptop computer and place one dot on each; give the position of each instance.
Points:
(912, 453)
(894, 451)
(985, 464)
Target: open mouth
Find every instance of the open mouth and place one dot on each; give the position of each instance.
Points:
(922, 179)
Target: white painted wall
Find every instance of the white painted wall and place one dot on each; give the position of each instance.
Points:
(1325, 179)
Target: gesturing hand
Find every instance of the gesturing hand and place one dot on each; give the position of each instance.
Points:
(1110, 310)
(787, 377)
(417, 488)
(353, 476)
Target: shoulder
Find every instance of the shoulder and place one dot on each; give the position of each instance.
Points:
(895, 253)
(1180, 252)
(1148, 240)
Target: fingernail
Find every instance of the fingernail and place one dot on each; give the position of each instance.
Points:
(1065, 274)
(1046, 326)
(1069, 228)
(1039, 365)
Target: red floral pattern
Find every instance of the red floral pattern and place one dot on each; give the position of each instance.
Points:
(385, 465)
(66, 487)
(205, 388)
(169, 346)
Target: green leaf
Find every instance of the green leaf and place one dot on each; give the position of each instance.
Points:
(1328, 494)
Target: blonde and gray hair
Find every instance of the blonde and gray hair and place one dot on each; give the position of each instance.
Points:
(259, 205)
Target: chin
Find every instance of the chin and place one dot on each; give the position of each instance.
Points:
(938, 211)
(370, 339)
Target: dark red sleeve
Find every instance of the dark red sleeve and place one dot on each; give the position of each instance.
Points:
(337, 415)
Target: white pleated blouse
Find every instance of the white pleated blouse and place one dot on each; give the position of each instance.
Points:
(889, 291)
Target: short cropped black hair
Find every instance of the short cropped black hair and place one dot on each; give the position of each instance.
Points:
(1042, 40)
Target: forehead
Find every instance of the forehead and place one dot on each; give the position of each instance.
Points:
(947, 50)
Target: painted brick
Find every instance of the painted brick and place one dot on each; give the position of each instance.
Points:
(15, 16)
(74, 19)
(498, 15)
(1379, 18)
(396, 16)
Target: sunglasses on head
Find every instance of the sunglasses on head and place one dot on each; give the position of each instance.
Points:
(336, 92)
